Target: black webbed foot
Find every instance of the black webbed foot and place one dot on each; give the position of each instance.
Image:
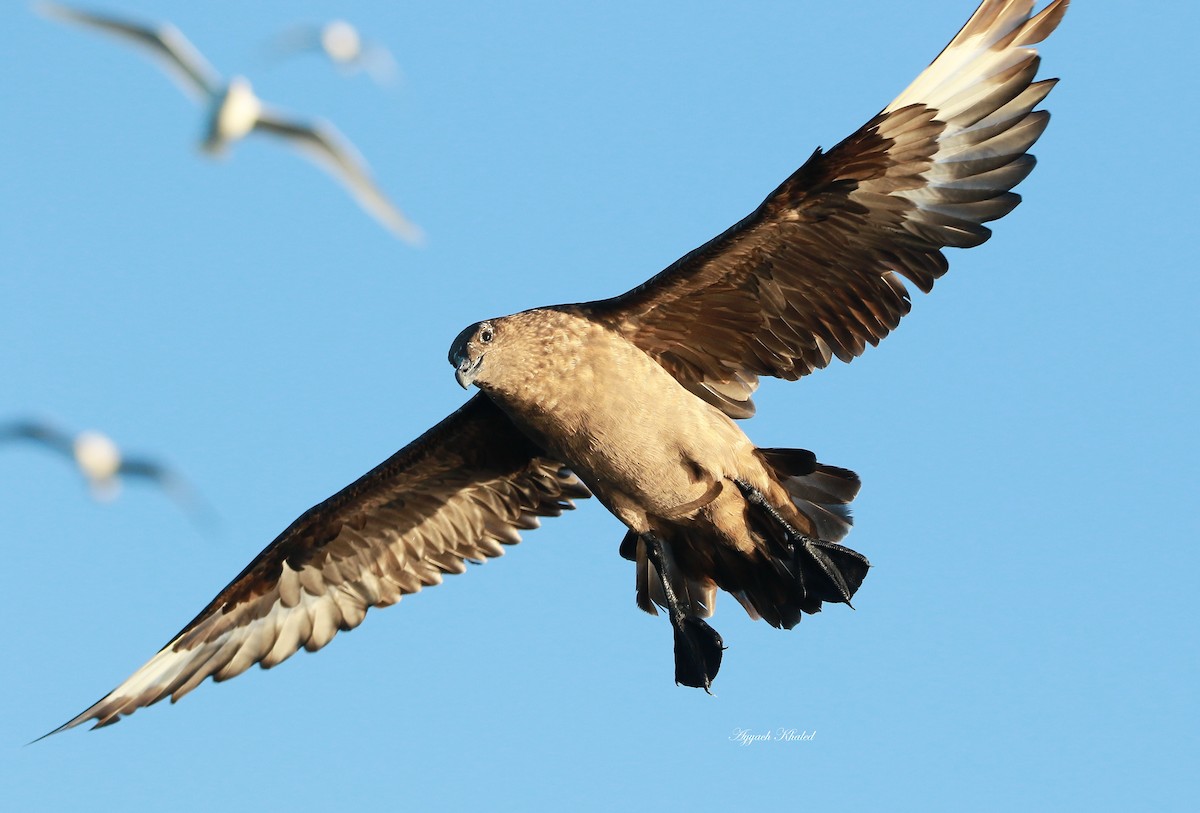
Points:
(698, 646)
(839, 570)
(823, 571)
(698, 649)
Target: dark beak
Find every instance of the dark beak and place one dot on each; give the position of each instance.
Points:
(466, 371)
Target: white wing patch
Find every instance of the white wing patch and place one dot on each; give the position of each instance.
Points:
(974, 62)
(981, 91)
(304, 611)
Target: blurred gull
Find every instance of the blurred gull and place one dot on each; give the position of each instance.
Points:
(235, 111)
(101, 463)
(343, 45)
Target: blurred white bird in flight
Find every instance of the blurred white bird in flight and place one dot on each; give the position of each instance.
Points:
(98, 458)
(235, 111)
(343, 45)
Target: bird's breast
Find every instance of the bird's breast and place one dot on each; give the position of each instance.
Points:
(626, 426)
(236, 113)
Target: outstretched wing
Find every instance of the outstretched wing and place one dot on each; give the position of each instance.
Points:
(380, 64)
(176, 486)
(815, 271)
(294, 40)
(177, 54)
(321, 142)
(39, 432)
(458, 493)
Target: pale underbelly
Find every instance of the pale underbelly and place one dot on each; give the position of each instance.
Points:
(664, 461)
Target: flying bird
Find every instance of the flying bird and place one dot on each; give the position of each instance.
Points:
(634, 399)
(104, 467)
(343, 45)
(234, 111)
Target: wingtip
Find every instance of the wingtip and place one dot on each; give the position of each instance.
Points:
(394, 220)
(207, 522)
(44, 736)
(1043, 24)
(412, 234)
(72, 723)
(43, 7)
(92, 712)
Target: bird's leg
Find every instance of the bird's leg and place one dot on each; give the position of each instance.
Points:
(841, 567)
(759, 500)
(698, 646)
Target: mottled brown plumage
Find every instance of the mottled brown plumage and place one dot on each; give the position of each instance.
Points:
(636, 395)
(457, 494)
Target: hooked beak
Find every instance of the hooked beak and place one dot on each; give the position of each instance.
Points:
(466, 371)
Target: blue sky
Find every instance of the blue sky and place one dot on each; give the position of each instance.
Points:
(1026, 439)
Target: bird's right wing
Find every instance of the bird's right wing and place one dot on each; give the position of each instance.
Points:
(458, 493)
(186, 64)
(39, 432)
(380, 65)
(321, 142)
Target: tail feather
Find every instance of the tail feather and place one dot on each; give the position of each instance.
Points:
(819, 492)
(782, 587)
(784, 578)
(799, 575)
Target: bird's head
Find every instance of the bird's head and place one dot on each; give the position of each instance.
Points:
(508, 356)
(470, 348)
(341, 41)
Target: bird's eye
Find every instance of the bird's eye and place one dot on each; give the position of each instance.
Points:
(485, 335)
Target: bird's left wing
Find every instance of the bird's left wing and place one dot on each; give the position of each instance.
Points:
(321, 142)
(380, 64)
(815, 271)
(457, 493)
(176, 486)
(176, 53)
